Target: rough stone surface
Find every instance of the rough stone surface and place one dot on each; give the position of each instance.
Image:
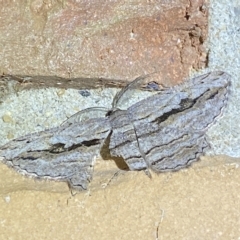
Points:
(109, 39)
(201, 202)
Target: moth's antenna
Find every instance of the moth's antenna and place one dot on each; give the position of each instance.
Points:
(93, 112)
(133, 85)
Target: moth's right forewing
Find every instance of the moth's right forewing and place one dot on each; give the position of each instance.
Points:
(171, 126)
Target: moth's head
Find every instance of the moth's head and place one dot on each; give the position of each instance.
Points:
(114, 111)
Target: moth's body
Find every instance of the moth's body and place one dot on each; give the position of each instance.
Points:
(163, 132)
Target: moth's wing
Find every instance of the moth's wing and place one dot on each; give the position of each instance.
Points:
(138, 89)
(123, 141)
(171, 126)
(64, 153)
(88, 113)
(211, 90)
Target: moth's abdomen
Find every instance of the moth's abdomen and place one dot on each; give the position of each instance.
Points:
(123, 141)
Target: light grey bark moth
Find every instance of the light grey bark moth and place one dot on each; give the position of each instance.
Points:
(163, 132)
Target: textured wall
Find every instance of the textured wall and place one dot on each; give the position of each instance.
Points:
(200, 202)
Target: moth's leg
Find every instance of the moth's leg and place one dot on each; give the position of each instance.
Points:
(80, 180)
(123, 142)
(148, 173)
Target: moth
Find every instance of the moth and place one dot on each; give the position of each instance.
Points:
(165, 131)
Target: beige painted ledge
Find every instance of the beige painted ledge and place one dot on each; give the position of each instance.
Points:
(200, 202)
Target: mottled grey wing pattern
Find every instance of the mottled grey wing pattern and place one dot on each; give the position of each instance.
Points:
(64, 153)
(167, 131)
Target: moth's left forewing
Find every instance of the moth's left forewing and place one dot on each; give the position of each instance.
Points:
(65, 153)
